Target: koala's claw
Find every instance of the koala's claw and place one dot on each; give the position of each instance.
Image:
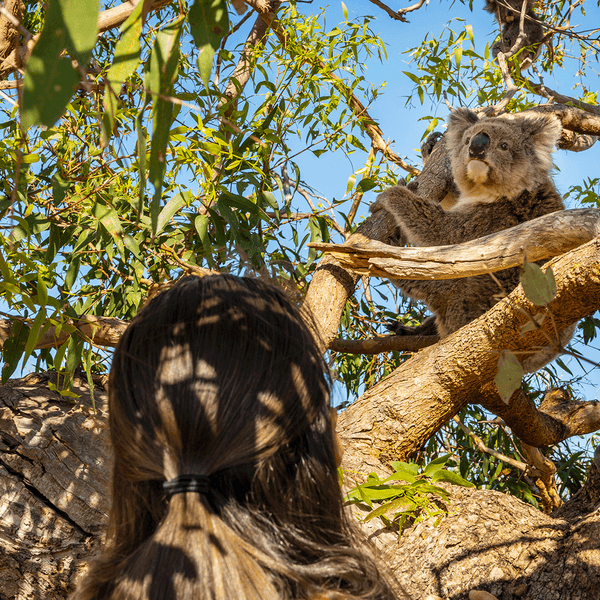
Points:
(427, 327)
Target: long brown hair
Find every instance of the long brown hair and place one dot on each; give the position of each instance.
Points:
(221, 377)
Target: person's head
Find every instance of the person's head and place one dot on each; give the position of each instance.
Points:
(220, 378)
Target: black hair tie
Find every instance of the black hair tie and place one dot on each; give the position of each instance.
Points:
(187, 483)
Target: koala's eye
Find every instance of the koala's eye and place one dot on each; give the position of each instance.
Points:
(467, 140)
(504, 146)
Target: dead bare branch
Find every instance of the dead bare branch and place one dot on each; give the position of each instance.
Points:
(536, 239)
(101, 331)
(553, 97)
(399, 15)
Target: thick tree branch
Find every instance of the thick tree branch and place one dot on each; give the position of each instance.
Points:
(554, 96)
(558, 417)
(332, 284)
(573, 118)
(444, 378)
(101, 331)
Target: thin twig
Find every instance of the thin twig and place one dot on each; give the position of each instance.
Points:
(517, 464)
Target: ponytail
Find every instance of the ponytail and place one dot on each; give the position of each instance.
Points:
(220, 376)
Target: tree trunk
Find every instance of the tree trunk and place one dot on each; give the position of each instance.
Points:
(54, 469)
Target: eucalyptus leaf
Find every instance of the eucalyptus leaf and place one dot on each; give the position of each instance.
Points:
(539, 287)
(509, 376)
(209, 22)
(160, 79)
(125, 61)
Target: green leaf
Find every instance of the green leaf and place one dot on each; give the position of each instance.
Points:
(539, 287)
(229, 216)
(125, 62)
(50, 78)
(109, 219)
(132, 245)
(108, 216)
(437, 463)
(141, 152)
(60, 353)
(34, 333)
(74, 352)
(59, 189)
(64, 393)
(399, 505)
(209, 22)
(509, 376)
(170, 208)
(451, 477)
(13, 349)
(365, 185)
(201, 223)
(271, 200)
(401, 466)
(345, 11)
(72, 272)
(80, 18)
(87, 366)
(350, 184)
(42, 292)
(49, 81)
(160, 79)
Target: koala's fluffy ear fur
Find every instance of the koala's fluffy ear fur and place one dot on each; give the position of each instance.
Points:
(459, 121)
(543, 131)
(461, 118)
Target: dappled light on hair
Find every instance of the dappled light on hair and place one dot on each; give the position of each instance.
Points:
(220, 380)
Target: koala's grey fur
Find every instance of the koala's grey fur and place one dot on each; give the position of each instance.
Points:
(501, 167)
(534, 34)
(507, 11)
(508, 15)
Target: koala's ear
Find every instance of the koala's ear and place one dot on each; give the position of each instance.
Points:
(459, 121)
(461, 118)
(543, 131)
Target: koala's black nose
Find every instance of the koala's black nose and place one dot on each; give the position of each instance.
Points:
(479, 144)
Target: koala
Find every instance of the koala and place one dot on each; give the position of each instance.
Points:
(501, 167)
(534, 34)
(507, 11)
(508, 15)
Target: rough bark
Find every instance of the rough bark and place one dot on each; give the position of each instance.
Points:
(10, 37)
(54, 467)
(494, 542)
(102, 331)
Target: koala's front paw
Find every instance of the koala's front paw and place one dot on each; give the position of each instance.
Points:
(386, 199)
(428, 145)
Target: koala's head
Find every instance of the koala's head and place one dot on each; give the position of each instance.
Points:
(500, 156)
